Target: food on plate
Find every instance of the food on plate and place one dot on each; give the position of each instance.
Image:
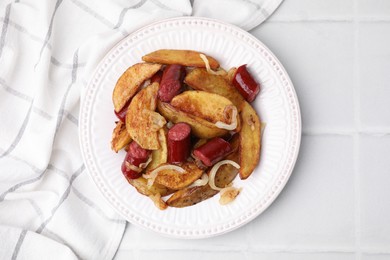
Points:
(181, 57)
(179, 143)
(160, 155)
(175, 177)
(135, 160)
(200, 127)
(250, 140)
(245, 83)
(120, 137)
(142, 122)
(171, 81)
(141, 185)
(194, 194)
(130, 81)
(228, 194)
(212, 151)
(209, 106)
(187, 126)
(200, 79)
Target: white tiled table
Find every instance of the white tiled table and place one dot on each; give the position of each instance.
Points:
(337, 202)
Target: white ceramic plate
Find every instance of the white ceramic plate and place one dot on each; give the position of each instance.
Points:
(276, 104)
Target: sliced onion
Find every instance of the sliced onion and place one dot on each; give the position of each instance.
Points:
(129, 166)
(215, 169)
(145, 83)
(228, 194)
(157, 120)
(208, 68)
(151, 177)
(201, 182)
(233, 124)
(169, 124)
(145, 164)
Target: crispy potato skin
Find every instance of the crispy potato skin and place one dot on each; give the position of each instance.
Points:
(120, 137)
(128, 84)
(199, 127)
(192, 195)
(250, 140)
(182, 57)
(175, 181)
(140, 118)
(200, 79)
(141, 186)
(208, 106)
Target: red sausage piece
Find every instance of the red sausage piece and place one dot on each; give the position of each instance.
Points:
(135, 156)
(246, 84)
(121, 115)
(157, 77)
(212, 151)
(171, 82)
(179, 143)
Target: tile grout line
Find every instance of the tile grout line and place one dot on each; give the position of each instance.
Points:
(356, 141)
(331, 19)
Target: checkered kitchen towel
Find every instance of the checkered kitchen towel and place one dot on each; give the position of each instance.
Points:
(49, 209)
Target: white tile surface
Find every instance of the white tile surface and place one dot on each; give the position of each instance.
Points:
(374, 52)
(190, 255)
(235, 240)
(313, 9)
(374, 8)
(374, 172)
(300, 256)
(319, 60)
(375, 257)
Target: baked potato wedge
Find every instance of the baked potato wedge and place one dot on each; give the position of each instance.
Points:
(199, 127)
(128, 84)
(160, 155)
(120, 137)
(200, 79)
(209, 106)
(142, 122)
(250, 140)
(182, 57)
(141, 185)
(175, 180)
(192, 195)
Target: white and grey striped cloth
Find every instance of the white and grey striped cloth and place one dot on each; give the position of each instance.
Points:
(49, 208)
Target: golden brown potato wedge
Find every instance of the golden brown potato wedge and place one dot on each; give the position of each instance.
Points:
(128, 84)
(120, 137)
(142, 122)
(250, 140)
(192, 195)
(199, 127)
(175, 180)
(200, 79)
(160, 155)
(206, 105)
(141, 185)
(182, 57)
(158, 201)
